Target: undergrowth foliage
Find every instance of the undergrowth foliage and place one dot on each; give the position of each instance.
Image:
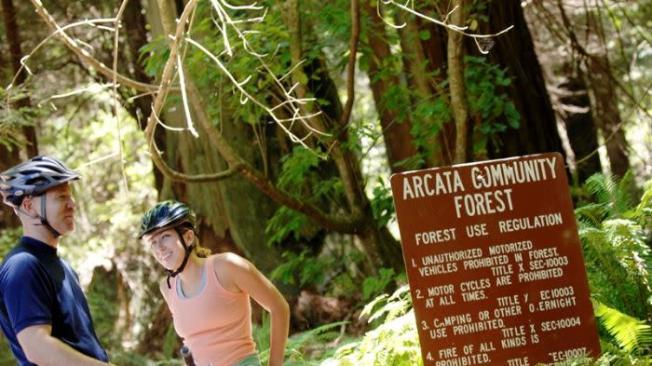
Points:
(616, 238)
(394, 341)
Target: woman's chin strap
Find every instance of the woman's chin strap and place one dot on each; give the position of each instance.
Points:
(188, 250)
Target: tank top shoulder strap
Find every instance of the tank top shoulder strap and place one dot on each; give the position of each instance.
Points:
(169, 293)
(214, 282)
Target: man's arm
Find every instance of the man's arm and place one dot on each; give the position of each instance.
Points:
(43, 349)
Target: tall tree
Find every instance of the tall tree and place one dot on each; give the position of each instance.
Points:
(441, 144)
(135, 24)
(16, 54)
(458, 102)
(514, 51)
(602, 84)
(385, 85)
(582, 135)
(587, 43)
(9, 155)
(423, 62)
(607, 113)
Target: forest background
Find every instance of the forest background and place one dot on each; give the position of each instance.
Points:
(280, 124)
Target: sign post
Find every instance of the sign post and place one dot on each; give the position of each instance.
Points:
(494, 263)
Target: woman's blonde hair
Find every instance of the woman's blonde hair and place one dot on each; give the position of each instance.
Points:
(202, 252)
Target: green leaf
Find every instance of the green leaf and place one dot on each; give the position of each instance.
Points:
(630, 333)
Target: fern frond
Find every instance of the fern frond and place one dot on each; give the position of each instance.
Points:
(630, 333)
(613, 195)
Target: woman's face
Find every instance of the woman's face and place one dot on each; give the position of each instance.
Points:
(166, 247)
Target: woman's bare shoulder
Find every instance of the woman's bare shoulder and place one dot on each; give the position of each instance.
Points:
(229, 267)
(229, 260)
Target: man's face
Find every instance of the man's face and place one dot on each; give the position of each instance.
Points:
(60, 208)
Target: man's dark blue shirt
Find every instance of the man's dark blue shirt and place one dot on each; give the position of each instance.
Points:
(39, 288)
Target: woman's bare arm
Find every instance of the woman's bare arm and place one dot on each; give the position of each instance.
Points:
(239, 274)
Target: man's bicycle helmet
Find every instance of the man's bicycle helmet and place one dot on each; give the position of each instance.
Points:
(33, 178)
(169, 215)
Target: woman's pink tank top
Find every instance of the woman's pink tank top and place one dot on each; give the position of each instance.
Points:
(215, 323)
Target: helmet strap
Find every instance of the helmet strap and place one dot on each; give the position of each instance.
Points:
(186, 256)
(44, 219)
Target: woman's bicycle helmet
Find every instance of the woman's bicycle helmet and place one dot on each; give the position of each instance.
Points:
(169, 215)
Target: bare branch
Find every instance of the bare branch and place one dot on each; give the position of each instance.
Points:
(242, 7)
(451, 27)
(295, 104)
(339, 222)
(86, 58)
(98, 160)
(23, 61)
(291, 100)
(184, 97)
(116, 103)
(153, 120)
(342, 223)
(89, 89)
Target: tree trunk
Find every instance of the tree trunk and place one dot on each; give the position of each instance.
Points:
(380, 250)
(417, 69)
(247, 209)
(435, 50)
(580, 128)
(8, 157)
(136, 36)
(458, 103)
(607, 115)
(515, 51)
(16, 54)
(396, 127)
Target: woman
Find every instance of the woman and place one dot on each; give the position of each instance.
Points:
(208, 295)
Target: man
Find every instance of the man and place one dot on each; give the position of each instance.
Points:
(43, 311)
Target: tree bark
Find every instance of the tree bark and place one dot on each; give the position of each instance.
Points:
(435, 50)
(580, 128)
(607, 114)
(396, 128)
(8, 157)
(158, 328)
(458, 103)
(109, 304)
(602, 85)
(418, 68)
(16, 54)
(136, 36)
(514, 51)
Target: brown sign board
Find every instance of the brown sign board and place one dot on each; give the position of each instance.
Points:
(494, 263)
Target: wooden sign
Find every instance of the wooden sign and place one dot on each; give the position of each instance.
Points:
(494, 263)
